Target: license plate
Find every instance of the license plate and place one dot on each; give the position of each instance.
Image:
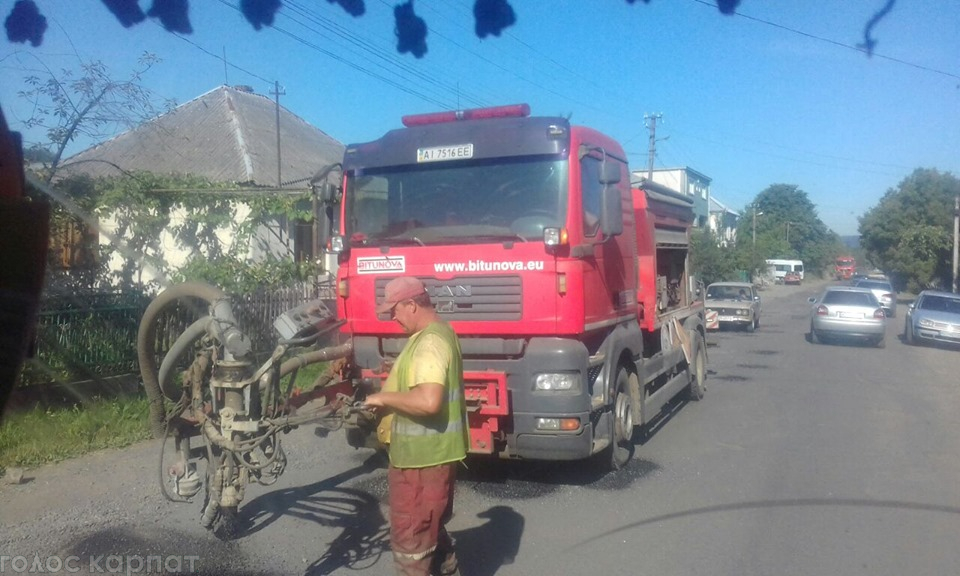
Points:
(442, 153)
(850, 315)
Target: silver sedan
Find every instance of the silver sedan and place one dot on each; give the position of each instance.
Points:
(933, 317)
(847, 312)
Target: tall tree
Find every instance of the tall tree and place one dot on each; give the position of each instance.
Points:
(87, 102)
(908, 233)
(788, 227)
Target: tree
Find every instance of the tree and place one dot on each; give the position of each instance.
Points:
(710, 261)
(91, 104)
(790, 228)
(908, 233)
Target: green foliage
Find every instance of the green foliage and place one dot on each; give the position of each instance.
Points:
(908, 234)
(41, 436)
(787, 226)
(237, 276)
(210, 223)
(710, 261)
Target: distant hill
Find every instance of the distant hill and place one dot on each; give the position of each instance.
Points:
(852, 242)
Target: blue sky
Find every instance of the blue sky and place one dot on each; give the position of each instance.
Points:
(772, 95)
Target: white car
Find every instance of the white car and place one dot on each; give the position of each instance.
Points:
(884, 292)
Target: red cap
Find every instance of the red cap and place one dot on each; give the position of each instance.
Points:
(398, 290)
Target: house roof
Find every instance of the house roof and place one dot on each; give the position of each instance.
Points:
(226, 135)
(717, 206)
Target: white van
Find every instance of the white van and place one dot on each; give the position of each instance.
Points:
(779, 268)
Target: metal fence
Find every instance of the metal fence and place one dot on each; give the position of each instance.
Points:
(93, 337)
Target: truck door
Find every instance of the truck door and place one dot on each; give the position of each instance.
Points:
(608, 271)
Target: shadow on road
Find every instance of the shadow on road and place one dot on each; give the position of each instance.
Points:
(484, 549)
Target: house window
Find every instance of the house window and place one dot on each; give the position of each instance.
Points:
(73, 245)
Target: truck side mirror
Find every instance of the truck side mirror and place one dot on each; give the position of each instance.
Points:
(611, 212)
(609, 172)
(329, 193)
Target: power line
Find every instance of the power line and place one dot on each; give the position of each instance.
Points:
(392, 64)
(864, 51)
(230, 64)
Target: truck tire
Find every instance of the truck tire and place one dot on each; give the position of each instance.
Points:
(697, 372)
(620, 450)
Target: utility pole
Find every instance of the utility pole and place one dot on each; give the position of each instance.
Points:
(755, 214)
(277, 94)
(652, 126)
(956, 240)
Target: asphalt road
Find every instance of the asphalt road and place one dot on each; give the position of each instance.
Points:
(801, 459)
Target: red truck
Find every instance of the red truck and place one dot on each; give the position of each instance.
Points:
(844, 267)
(569, 288)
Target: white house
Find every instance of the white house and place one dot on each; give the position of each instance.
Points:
(228, 135)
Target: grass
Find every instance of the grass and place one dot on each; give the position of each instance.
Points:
(41, 436)
(45, 435)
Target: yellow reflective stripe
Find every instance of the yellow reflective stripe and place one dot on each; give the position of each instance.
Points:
(404, 427)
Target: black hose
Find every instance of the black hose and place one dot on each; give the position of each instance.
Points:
(147, 340)
(180, 347)
(322, 355)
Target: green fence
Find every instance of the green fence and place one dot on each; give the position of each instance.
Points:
(93, 337)
(85, 337)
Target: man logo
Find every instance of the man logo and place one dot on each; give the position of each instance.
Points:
(453, 291)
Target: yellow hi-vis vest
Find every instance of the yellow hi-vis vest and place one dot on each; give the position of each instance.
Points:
(421, 441)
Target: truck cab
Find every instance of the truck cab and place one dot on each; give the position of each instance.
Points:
(535, 247)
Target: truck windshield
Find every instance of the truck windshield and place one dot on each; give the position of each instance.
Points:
(477, 201)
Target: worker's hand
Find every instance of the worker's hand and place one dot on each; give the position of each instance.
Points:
(373, 401)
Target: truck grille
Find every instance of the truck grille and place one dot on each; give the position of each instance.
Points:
(471, 298)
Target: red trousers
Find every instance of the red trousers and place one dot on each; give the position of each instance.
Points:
(421, 503)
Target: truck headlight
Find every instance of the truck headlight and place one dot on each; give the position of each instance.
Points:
(564, 382)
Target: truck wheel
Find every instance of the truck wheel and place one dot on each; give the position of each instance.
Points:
(620, 450)
(697, 372)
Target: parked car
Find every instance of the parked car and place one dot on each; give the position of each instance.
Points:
(733, 304)
(792, 278)
(884, 292)
(933, 317)
(847, 312)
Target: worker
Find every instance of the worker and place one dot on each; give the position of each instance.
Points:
(428, 437)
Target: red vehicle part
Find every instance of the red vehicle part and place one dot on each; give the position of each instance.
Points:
(487, 404)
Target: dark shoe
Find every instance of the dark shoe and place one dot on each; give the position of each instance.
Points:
(445, 564)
